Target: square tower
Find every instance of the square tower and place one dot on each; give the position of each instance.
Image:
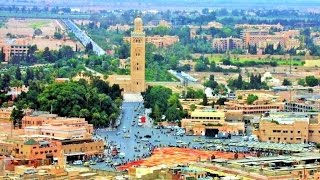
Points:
(138, 57)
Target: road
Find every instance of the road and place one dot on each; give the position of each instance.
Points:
(83, 37)
(138, 145)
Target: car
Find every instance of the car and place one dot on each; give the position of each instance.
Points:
(147, 136)
(79, 162)
(93, 163)
(30, 171)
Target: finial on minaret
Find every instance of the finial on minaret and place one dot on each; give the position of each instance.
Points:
(138, 25)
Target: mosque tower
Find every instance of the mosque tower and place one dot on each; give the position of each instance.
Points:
(138, 57)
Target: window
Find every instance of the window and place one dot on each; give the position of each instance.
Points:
(269, 138)
(291, 131)
(298, 132)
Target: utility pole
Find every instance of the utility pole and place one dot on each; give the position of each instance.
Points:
(291, 82)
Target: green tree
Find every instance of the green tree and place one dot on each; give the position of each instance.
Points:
(16, 117)
(205, 100)
(18, 75)
(157, 112)
(286, 82)
(84, 113)
(312, 81)
(47, 55)
(172, 114)
(211, 83)
(251, 98)
(221, 101)
(302, 82)
(89, 47)
(58, 35)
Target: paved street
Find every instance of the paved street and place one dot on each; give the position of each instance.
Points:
(140, 140)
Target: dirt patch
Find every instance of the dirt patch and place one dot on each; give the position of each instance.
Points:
(23, 29)
(26, 27)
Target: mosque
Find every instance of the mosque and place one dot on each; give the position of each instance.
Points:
(135, 82)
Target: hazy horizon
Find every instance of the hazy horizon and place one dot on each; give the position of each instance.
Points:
(171, 4)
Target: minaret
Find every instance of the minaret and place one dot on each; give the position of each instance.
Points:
(138, 57)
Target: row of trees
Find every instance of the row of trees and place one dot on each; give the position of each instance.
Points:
(254, 83)
(34, 56)
(97, 102)
(203, 65)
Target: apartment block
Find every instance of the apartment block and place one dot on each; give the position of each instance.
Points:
(14, 47)
(227, 44)
(289, 127)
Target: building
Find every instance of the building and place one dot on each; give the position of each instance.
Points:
(289, 128)
(258, 107)
(5, 114)
(159, 41)
(300, 166)
(32, 149)
(162, 41)
(157, 23)
(194, 29)
(58, 131)
(46, 135)
(212, 24)
(227, 44)
(39, 119)
(135, 83)
(262, 38)
(209, 123)
(14, 47)
(6, 148)
(260, 26)
(316, 41)
(301, 107)
(119, 27)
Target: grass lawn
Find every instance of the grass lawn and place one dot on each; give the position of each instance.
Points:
(39, 24)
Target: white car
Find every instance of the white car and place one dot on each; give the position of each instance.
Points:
(79, 162)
